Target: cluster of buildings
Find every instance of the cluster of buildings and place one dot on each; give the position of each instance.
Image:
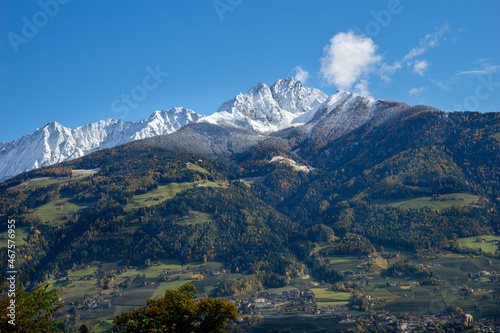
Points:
(287, 298)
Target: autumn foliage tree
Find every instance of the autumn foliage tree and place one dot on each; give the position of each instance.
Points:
(178, 312)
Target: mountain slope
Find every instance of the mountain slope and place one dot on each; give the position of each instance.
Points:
(264, 221)
(55, 143)
(285, 109)
(265, 109)
(419, 153)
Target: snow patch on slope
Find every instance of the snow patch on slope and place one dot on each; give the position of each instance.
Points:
(296, 166)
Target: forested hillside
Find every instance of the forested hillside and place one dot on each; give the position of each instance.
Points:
(417, 183)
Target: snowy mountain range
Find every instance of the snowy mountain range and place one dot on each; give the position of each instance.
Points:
(261, 111)
(55, 143)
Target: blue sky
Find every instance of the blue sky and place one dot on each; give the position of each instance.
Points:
(76, 61)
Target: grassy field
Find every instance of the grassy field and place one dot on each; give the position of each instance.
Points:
(338, 259)
(58, 211)
(345, 263)
(73, 290)
(487, 246)
(199, 217)
(327, 297)
(163, 192)
(20, 239)
(168, 285)
(197, 168)
(156, 271)
(459, 199)
(103, 326)
(383, 293)
(83, 272)
(42, 181)
(381, 262)
(321, 246)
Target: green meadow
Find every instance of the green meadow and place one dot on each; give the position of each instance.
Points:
(459, 199)
(327, 297)
(487, 246)
(198, 218)
(164, 192)
(59, 211)
(20, 239)
(197, 168)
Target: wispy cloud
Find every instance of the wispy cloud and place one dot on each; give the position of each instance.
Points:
(301, 74)
(416, 91)
(487, 69)
(348, 59)
(429, 41)
(443, 86)
(386, 71)
(420, 67)
(484, 67)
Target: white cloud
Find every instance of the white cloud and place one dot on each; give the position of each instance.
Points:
(387, 70)
(420, 66)
(347, 59)
(301, 74)
(429, 41)
(362, 87)
(416, 91)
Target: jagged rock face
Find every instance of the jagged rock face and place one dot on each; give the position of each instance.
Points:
(266, 110)
(263, 112)
(55, 143)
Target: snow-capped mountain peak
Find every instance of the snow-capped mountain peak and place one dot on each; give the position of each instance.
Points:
(262, 109)
(287, 103)
(55, 143)
(265, 109)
